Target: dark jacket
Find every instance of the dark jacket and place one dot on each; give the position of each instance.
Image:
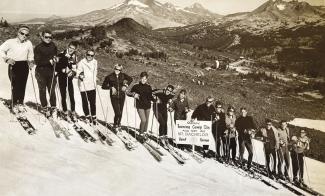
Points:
(117, 82)
(66, 60)
(43, 52)
(243, 125)
(204, 113)
(145, 92)
(179, 108)
(221, 124)
(270, 138)
(162, 99)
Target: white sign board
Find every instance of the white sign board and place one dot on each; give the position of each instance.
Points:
(193, 132)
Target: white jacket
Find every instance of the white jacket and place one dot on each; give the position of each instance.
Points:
(89, 69)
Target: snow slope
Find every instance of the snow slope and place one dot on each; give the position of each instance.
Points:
(45, 165)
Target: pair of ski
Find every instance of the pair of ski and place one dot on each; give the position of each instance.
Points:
(293, 187)
(195, 155)
(152, 149)
(21, 117)
(84, 129)
(181, 159)
(122, 135)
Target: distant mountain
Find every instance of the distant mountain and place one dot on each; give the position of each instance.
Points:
(41, 20)
(149, 13)
(277, 13)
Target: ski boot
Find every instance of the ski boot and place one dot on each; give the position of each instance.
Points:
(143, 137)
(21, 108)
(15, 110)
(54, 113)
(73, 116)
(94, 120)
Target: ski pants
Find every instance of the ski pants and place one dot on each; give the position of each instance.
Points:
(297, 164)
(18, 75)
(64, 83)
(249, 146)
(161, 115)
(118, 104)
(46, 80)
(144, 117)
(284, 159)
(88, 99)
(221, 142)
(268, 153)
(231, 146)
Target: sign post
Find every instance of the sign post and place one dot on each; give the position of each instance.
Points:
(193, 132)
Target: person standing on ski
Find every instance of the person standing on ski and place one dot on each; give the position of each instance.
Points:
(283, 152)
(205, 112)
(270, 139)
(231, 137)
(66, 68)
(142, 93)
(230, 120)
(19, 55)
(299, 145)
(45, 59)
(163, 96)
(245, 126)
(220, 127)
(180, 107)
(87, 74)
(117, 82)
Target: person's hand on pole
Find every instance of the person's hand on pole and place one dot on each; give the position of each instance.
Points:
(114, 91)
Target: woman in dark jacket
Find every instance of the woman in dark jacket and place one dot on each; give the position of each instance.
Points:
(117, 82)
(142, 93)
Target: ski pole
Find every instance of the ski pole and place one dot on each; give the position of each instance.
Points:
(89, 109)
(12, 94)
(127, 115)
(34, 90)
(52, 80)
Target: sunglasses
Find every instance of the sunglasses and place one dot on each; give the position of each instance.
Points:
(118, 69)
(26, 34)
(48, 37)
(91, 55)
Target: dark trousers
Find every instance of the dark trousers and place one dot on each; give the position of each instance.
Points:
(88, 99)
(65, 82)
(249, 146)
(161, 115)
(221, 142)
(18, 75)
(144, 117)
(231, 146)
(268, 153)
(297, 164)
(118, 104)
(284, 159)
(46, 80)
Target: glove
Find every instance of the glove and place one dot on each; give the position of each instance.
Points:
(136, 96)
(81, 76)
(10, 61)
(71, 74)
(114, 92)
(123, 88)
(31, 64)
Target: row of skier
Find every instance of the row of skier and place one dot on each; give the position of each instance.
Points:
(54, 67)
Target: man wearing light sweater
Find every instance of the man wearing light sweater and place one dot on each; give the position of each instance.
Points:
(18, 54)
(87, 74)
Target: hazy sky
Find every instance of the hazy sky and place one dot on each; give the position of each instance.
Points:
(74, 7)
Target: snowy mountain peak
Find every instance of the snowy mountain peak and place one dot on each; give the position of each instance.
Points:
(141, 3)
(196, 6)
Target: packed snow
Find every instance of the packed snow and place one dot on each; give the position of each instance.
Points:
(281, 6)
(309, 123)
(45, 165)
(137, 3)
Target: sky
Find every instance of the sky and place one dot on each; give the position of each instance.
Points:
(39, 8)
